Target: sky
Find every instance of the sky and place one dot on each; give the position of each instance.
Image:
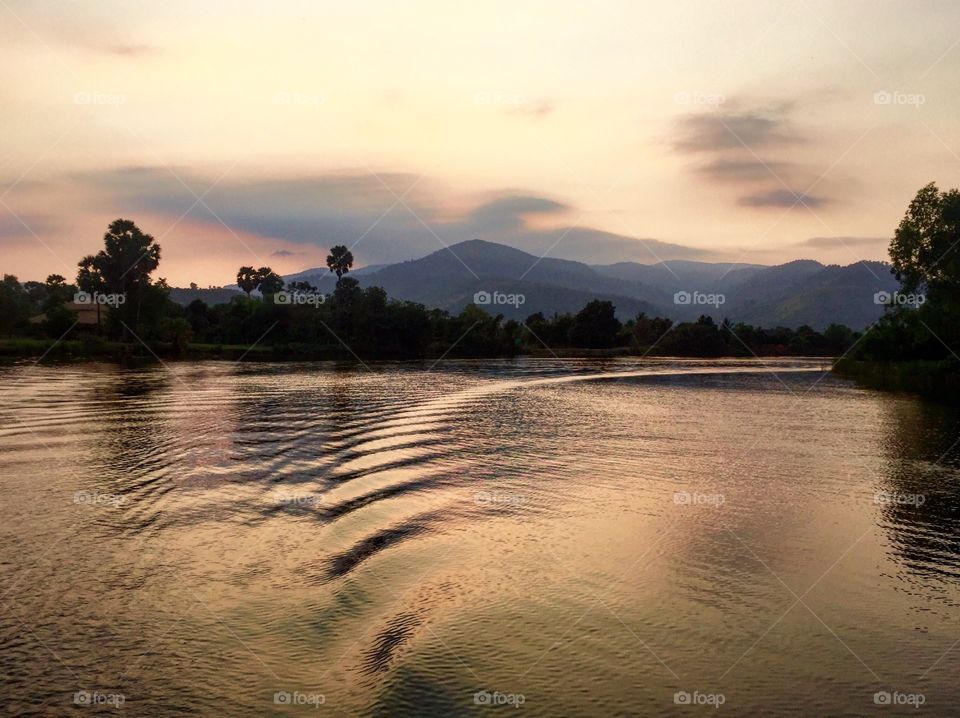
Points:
(263, 133)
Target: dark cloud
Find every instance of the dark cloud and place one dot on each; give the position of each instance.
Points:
(782, 198)
(362, 211)
(752, 150)
(716, 131)
(283, 253)
(510, 212)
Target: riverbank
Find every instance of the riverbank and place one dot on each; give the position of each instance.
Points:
(938, 380)
(95, 348)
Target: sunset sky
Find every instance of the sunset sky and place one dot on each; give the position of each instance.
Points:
(264, 132)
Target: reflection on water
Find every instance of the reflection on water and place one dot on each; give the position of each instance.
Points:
(579, 537)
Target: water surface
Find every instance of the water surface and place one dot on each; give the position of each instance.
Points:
(584, 537)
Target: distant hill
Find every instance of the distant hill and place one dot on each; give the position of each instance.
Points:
(323, 279)
(449, 278)
(791, 294)
(814, 296)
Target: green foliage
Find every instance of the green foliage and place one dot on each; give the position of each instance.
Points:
(925, 258)
(922, 247)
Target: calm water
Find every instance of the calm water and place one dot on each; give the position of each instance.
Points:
(581, 537)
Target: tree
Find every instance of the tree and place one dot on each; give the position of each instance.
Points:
(270, 282)
(248, 279)
(649, 330)
(302, 286)
(122, 267)
(922, 249)
(595, 326)
(340, 261)
(56, 291)
(15, 305)
(125, 262)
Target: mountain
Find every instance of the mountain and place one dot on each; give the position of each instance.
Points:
(449, 279)
(322, 278)
(791, 294)
(671, 276)
(815, 296)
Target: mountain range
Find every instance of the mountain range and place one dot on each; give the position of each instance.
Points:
(792, 294)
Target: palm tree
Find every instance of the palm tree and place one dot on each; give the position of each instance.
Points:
(270, 282)
(339, 261)
(248, 279)
(123, 266)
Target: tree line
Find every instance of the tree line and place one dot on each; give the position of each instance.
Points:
(925, 258)
(293, 320)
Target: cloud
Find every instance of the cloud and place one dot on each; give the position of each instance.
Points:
(362, 211)
(834, 242)
(754, 150)
(716, 131)
(511, 211)
(782, 198)
(283, 253)
(743, 170)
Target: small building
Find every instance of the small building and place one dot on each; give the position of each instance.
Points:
(86, 313)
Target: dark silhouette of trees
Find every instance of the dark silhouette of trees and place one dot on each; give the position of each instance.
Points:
(301, 286)
(648, 331)
(340, 261)
(925, 257)
(921, 249)
(364, 322)
(125, 263)
(248, 279)
(270, 282)
(595, 326)
(123, 268)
